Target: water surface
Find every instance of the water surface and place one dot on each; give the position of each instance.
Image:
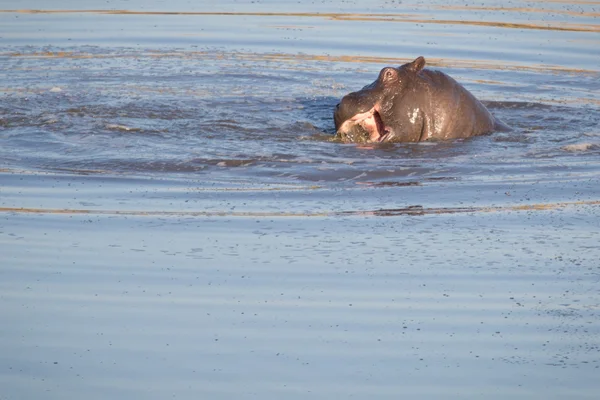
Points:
(177, 220)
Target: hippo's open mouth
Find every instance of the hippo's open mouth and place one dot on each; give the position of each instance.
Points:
(371, 123)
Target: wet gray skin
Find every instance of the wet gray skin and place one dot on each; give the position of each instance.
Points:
(412, 104)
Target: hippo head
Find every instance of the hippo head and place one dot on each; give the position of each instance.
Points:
(368, 116)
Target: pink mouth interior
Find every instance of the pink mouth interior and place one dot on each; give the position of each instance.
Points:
(374, 126)
(372, 123)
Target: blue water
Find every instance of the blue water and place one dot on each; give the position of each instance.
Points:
(177, 220)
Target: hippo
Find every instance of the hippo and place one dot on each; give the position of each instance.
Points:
(412, 104)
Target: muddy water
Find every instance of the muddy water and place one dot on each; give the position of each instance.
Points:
(177, 220)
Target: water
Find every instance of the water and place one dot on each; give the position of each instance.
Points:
(177, 220)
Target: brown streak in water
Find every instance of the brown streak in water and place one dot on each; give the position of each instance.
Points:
(584, 100)
(435, 62)
(283, 57)
(578, 100)
(487, 82)
(406, 18)
(547, 27)
(258, 189)
(390, 184)
(58, 54)
(405, 211)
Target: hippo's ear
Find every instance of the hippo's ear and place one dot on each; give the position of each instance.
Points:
(417, 65)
